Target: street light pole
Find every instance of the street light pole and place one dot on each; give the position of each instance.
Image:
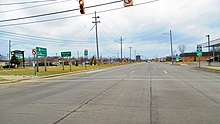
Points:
(208, 36)
(121, 49)
(130, 53)
(171, 45)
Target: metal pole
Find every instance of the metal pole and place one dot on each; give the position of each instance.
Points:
(130, 53)
(45, 63)
(121, 49)
(209, 48)
(9, 54)
(171, 45)
(37, 64)
(63, 64)
(213, 54)
(35, 69)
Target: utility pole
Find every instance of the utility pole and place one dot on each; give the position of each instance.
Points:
(97, 44)
(121, 49)
(171, 45)
(9, 53)
(208, 36)
(130, 53)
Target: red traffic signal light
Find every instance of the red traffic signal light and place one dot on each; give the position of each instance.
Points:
(81, 6)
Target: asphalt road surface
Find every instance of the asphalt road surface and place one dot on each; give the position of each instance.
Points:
(147, 93)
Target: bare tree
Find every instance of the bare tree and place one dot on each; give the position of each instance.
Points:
(182, 49)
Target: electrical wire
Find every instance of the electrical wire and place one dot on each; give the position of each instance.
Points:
(107, 48)
(67, 17)
(25, 2)
(30, 7)
(39, 37)
(58, 12)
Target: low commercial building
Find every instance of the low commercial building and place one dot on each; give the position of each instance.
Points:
(192, 57)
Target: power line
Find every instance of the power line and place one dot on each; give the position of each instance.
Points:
(108, 49)
(43, 41)
(67, 17)
(25, 2)
(58, 12)
(33, 6)
(39, 37)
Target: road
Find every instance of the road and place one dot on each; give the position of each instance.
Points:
(147, 93)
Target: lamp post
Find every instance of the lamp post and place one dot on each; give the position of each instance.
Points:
(208, 36)
(130, 52)
(171, 46)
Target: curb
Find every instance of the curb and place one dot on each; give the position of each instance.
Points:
(207, 69)
(55, 75)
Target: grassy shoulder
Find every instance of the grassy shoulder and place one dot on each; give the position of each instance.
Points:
(51, 70)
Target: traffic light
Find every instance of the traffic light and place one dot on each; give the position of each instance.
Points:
(128, 3)
(81, 6)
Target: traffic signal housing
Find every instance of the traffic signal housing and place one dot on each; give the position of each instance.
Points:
(81, 6)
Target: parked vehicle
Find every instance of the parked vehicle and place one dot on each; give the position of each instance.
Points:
(7, 66)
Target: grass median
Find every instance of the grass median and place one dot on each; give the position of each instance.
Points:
(51, 70)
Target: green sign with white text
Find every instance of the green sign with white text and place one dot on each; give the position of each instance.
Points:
(41, 51)
(199, 53)
(65, 54)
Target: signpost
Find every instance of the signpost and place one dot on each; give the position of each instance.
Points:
(199, 53)
(41, 52)
(34, 53)
(86, 56)
(66, 54)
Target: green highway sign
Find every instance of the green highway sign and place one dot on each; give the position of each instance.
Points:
(199, 50)
(41, 51)
(86, 52)
(199, 53)
(65, 54)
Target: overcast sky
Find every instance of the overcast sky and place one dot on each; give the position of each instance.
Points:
(145, 27)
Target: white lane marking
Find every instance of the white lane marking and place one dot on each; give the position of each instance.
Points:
(132, 72)
(95, 71)
(165, 72)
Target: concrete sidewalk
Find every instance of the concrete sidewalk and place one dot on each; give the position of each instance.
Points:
(214, 67)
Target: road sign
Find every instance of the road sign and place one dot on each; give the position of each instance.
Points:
(199, 50)
(86, 53)
(128, 3)
(41, 51)
(34, 51)
(65, 54)
(199, 53)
